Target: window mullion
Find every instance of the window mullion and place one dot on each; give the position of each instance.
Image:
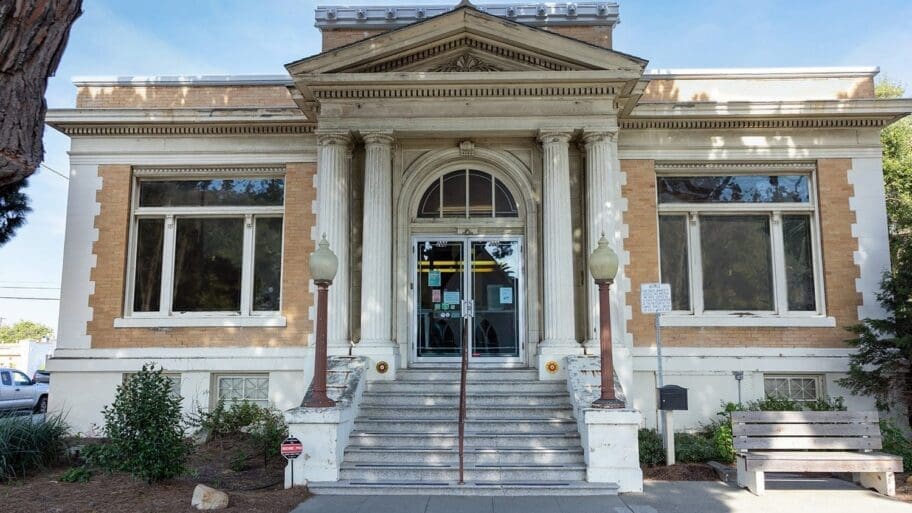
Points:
(780, 287)
(696, 263)
(167, 281)
(247, 266)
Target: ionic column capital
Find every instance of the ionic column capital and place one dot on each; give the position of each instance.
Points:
(592, 137)
(379, 138)
(333, 138)
(548, 136)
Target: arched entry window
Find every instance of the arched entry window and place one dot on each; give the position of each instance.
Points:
(467, 193)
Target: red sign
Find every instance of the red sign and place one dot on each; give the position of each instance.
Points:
(291, 448)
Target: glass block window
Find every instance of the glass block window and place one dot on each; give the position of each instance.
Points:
(794, 388)
(250, 388)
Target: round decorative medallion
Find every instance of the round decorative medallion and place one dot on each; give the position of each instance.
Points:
(382, 367)
(551, 366)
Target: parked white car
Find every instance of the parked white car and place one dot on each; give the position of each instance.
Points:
(19, 392)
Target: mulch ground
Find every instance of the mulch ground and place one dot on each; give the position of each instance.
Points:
(250, 486)
(680, 472)
(903, 490)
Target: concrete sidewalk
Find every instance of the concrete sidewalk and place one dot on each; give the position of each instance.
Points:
(784, 495)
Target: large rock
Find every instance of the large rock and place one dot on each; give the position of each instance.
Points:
(205, 498)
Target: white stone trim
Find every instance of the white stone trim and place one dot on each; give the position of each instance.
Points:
(762, 321)
(187, 321)
(180, 80)
(753, 73)
(870, 228)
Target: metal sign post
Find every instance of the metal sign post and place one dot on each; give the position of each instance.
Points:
(655, 298)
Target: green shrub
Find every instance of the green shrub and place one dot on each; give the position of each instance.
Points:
(827, 404)
(266, 426)
(79, 474)
(694, 448)
(894, 442)
(651, 451)
(27, 443)
(143, 427)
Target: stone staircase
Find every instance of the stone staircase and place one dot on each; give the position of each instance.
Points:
(520, 439)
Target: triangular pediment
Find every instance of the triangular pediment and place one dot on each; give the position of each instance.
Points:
(468, 40)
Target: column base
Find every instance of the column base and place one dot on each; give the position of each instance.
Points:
(551, 352)
(379, 351)
(611, 447)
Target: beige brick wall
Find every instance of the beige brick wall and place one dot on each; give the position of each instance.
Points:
(176, 97)
(840, 271)
(109, 273)
(336, 38)
(598, 36)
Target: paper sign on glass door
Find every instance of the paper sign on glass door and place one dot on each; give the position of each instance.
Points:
(433, 278)
(435, 295)
(451, 297)
(506, 295)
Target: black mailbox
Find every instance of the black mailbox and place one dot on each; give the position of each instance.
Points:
(672, 397)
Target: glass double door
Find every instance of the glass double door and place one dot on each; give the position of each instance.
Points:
(475, 278)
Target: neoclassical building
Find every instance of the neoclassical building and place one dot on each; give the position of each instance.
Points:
(470, 153)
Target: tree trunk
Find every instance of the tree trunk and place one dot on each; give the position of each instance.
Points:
(33, 34)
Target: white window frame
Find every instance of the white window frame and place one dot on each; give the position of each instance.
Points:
(165, 317)
(820, 382)
(780, 316)
(217, 395)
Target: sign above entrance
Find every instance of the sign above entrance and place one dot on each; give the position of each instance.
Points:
(655, 298)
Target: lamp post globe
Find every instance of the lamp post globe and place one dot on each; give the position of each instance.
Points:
(603, 265)
(323, 262)
(603, 262)
(323, 265)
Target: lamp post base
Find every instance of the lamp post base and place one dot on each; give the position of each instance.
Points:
(608, 404)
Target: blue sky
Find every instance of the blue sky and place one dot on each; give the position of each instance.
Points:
(172, 37)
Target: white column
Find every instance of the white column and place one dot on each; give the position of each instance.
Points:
(557, 247)
(604, 214)
(333, 193)
(377, 254)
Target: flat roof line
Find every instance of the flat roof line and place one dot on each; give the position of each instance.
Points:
(819, 71)
(177, 80)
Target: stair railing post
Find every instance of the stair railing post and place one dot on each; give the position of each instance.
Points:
(462, 387)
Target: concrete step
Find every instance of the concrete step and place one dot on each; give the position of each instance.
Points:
(414, 398)
(473, 375)
(395, 441)
(498, 488)
(451, 413)
(518, 387)
(492, 473)
(473, 456)
(490, 426)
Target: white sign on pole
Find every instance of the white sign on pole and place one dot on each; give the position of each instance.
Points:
(655, 298)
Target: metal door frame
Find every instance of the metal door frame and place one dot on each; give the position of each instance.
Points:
(468, 287)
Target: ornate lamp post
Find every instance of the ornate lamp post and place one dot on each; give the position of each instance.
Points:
(603, 265)
(323, 265)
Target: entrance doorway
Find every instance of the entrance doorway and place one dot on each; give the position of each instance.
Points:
(487, 272)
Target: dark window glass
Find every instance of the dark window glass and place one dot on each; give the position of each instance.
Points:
(675, 266)
(267, 264)
(207, 265)
(504, 204)
(799, 267)
(211, 193)
(454, 194)
(737, 263)
(430, 202)
(480, 201)
(147, 284)
(733, 189)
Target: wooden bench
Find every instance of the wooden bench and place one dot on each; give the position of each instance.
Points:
(830, 441)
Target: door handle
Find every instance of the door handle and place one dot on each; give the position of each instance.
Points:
(468, 308)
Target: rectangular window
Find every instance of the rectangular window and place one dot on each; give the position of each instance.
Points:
(794, 388)
(174, 377)
(740, 245)
(250, 388)
(207, 248)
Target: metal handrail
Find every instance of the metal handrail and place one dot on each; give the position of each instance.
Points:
(462, 396)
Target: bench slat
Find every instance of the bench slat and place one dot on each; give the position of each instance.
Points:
(819, 455)
(810, 443)
(785, 417)
(824, 466)
(806, 430)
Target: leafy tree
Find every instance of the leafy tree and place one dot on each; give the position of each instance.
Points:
(897, 163)
(23, 330)
(13, 207)
(882, 364)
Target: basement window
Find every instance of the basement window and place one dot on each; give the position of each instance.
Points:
(793, 387)
(249, 388)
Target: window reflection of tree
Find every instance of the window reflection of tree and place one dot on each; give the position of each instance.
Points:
(734, 189)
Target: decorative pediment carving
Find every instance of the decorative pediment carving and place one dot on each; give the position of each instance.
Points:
(466, 63)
